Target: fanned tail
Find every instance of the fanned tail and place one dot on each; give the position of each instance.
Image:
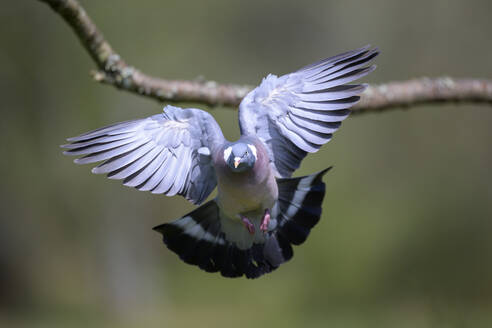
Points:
(198, 239)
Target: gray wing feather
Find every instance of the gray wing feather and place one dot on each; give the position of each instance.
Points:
(158, 154)
(297, 113)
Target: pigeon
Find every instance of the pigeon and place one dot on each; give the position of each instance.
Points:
(260, 210)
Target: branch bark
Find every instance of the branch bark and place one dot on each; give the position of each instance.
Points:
(113, 70)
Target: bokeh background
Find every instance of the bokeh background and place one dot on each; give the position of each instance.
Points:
(405, 238)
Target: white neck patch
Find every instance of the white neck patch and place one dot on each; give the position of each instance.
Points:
(253, 150)
(227, 153)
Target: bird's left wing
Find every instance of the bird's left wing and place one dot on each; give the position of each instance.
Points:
(297, 113)
(168, 153)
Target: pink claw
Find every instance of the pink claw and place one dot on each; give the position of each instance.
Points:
(265, 221)
(247, 223)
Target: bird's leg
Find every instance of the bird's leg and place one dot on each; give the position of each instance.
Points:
(265, 221)
(248, 225)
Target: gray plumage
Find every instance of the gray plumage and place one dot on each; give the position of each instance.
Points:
(259, 210)
(297, 113)
(167, 153)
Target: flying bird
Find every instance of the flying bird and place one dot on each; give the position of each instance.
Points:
(260, 210)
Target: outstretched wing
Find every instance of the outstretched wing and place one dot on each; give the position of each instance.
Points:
(297, 113)
(168, 153)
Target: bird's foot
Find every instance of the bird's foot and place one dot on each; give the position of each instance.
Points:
(265, 221)
(248, 225)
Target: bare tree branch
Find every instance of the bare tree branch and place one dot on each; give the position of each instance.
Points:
(114, 71)
(424, 91)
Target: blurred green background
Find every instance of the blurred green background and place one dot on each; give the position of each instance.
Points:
(405, 238)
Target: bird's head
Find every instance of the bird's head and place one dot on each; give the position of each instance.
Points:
(240, 156)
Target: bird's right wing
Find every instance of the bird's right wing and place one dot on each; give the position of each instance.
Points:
(297, 113)
(168, 153)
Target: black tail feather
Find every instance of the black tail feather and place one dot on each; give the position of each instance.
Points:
(300, 201)
(197, 238)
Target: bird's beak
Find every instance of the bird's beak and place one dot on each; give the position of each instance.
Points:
(237, 160)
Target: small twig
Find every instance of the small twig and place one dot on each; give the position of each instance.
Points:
(114, 71)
